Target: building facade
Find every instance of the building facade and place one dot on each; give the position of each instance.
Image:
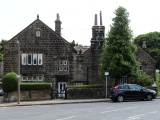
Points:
(46, 56)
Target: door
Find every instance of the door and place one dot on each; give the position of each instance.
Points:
(61, 89)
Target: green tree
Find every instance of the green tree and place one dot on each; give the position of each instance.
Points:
(118, 54)
(9, 82)
(1, 49)
(152, 43)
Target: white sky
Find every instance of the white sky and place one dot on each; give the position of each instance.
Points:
(77, 16)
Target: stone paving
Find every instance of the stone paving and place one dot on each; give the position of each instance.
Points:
(51, 102)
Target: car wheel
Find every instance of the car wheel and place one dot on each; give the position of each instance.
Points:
(120, 98)
(149, 97)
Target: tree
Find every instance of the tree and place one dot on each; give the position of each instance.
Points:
(118, 54)
(9, 82)
(152, 43)
(1, 49)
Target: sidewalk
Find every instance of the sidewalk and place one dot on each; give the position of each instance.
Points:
(51, 102)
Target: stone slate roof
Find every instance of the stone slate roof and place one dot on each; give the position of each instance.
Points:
(81, 49)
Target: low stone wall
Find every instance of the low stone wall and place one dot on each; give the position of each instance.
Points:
(27, 95)
(87, 93)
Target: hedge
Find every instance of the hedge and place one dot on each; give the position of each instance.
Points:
(10, 82)
(86, 86)
(36, 86)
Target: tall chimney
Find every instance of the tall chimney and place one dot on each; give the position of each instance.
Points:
(100, 18)
(95, 20)
(58, 25)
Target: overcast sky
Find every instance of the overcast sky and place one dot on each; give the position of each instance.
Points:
(77, 16)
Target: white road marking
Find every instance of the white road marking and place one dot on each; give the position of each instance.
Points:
(139, 116)
(119, 109)
(66, 118)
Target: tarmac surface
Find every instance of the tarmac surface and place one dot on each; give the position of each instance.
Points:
(50, 102)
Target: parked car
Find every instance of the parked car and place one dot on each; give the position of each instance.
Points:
(1, 92)
(131, 91)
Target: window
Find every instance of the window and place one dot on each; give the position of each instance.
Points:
(29, 59)
(35, 78)
(29, 78)
(32, 59)
(40, 59)
(32, 78)
(63, 65)
(38, 33)
(24, 59)
(24, 78)
(140, 68)
(40, 78)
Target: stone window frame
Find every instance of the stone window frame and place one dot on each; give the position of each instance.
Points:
(38, 32)
(63, 65)
(31, 78)
(32, 59)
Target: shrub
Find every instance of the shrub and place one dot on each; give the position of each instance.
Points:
(143, 79)
(36, 86)
(10, 82)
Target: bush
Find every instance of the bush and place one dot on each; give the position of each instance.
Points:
(143, 79)
(36, 86)
(10, 82)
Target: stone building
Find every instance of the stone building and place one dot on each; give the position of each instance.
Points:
(46, 56)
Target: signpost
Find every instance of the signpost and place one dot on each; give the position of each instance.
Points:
(106, 73)
(18, 76)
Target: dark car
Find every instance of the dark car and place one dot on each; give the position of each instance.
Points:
(131, 91)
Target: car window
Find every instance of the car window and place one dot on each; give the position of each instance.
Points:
(135, 87)
(125, 87)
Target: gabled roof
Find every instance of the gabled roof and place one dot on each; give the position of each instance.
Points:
(81, 48)
(140, 48)
(37, 20)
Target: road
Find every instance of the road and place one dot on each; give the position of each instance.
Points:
(129, 110)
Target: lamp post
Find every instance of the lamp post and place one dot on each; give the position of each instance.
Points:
(18, 76)
(106, 73)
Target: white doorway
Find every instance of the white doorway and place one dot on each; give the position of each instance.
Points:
(61, 89)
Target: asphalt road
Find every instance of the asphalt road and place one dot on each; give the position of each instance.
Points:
(129, 110)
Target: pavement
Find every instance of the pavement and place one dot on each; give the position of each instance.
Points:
(51, 102)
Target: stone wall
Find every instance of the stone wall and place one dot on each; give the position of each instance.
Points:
(85, 93)
(27, 95)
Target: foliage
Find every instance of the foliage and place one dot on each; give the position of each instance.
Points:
(10, 82)
(118, 55)
(152, 42)
(143, 79)
(1, 49)
(36, 86)
(86, 86)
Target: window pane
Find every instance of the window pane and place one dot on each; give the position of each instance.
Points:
(29, 78)
(65, 68)
(34, 78)
(40, 78)
(24, 78)
(40, 62)
(24, 58)
(29, 59)
(64, 62)
(38, 33)
(34, 59)
(60, 68)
